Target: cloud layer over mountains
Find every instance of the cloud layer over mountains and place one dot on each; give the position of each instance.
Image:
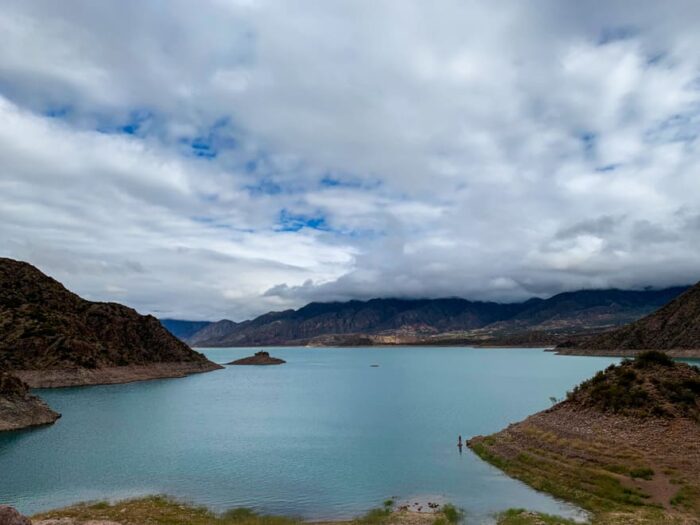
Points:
(228, 157)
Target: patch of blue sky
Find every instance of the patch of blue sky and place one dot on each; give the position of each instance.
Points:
(138, 122)
(341, 180)
(292, 222)
(219, 137)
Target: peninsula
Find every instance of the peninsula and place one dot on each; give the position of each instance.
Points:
(623, 445)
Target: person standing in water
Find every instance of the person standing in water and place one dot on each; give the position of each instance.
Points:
(459, 441)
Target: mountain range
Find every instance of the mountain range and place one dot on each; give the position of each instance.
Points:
(674, 327)
(439, 321)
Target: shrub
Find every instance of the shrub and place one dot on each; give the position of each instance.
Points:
(653, 357)
(452, 514)
(642, 473)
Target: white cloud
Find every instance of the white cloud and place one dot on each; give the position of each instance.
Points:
(474, 149)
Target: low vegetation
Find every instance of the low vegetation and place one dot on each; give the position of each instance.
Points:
(162, 510)
(525, 517)
(652, 385)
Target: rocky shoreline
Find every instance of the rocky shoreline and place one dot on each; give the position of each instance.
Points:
(677, 353)
(19, 408)
(59, 378)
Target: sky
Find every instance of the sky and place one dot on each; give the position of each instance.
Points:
(223, 158)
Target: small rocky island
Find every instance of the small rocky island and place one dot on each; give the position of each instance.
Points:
(260, 358)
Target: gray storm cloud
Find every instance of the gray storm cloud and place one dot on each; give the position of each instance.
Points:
(253, 155)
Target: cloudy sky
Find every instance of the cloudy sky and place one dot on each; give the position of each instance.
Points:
(223, 158)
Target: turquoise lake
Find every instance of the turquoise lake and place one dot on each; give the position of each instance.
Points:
(324, 436)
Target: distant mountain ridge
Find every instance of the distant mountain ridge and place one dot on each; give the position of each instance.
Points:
(412, 320)
(183, 330)
(676, 326)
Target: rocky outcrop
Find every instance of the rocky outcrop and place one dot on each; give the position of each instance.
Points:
(20, 409)
(377, 321)
(674, 327)
(260, 358)
(46, 330)
(58, 378)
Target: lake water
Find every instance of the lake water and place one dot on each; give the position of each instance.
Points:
(324, 436)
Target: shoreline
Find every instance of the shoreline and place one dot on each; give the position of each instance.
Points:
(678, 353)
(165, 509)
(75, 377)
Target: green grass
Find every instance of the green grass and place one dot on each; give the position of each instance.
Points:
(451, 513)
(591, 489)
(374, 517)
(642, 473)
(161, 510)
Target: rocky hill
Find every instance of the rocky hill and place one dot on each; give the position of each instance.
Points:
(19, 408)
(51, 337)
(623, 445)
(676, 327)
(425, 321)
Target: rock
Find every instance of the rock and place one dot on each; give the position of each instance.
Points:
(19, 408)
(260, 358)
(9, 516)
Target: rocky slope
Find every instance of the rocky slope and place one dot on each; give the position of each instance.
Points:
(51, 337)
(19, 408)
(399, 321)
(624, 445)
(676, 327)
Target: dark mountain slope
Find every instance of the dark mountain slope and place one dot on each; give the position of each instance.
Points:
(44, 327)
(585, 310)
(213, 331)
(675, 326)
(316, 319)
(596, 307)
